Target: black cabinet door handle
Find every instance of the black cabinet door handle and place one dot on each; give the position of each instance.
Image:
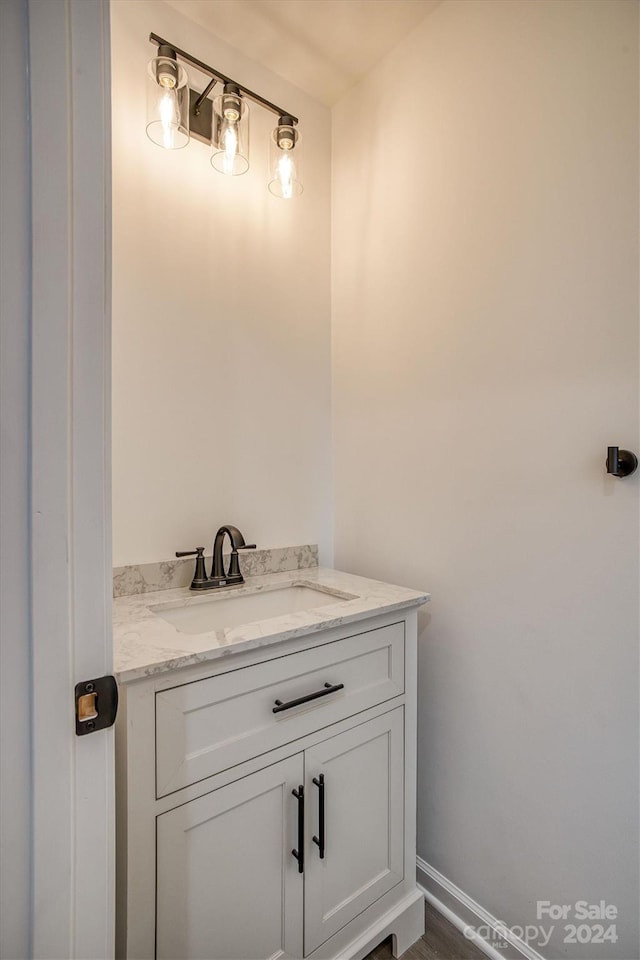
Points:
(319, 840)
(327, 689)
(299, 853)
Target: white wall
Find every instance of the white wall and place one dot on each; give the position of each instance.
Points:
(485, 353)
(15, 678)
(221, 320)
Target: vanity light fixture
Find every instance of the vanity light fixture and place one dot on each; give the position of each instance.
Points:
(175, 113)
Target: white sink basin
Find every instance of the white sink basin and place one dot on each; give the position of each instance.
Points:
(203, 614)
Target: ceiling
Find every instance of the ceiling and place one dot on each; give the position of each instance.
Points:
(322, 46)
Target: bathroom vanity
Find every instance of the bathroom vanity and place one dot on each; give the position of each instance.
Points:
(266, 770)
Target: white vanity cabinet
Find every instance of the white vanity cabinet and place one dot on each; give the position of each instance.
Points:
(266, 800)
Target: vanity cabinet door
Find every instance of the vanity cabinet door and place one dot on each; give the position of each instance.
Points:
(228, 887)
(363, 772)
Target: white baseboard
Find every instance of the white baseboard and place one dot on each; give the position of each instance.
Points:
(468, 915)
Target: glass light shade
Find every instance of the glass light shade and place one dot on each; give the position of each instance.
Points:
(285, 162)
(230, 133)
(167, 103)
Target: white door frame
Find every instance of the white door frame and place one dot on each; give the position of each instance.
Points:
(73, 777)
(15, 654)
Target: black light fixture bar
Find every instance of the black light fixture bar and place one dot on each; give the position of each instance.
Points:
(220, 77)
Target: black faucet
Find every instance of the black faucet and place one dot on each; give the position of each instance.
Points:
(218, 576)
(233, 574)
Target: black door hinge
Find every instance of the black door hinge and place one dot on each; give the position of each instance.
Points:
(96, 705)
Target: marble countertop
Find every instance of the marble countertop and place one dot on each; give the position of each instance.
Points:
(145, 644)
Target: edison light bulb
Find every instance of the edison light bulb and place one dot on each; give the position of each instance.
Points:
(230, 140)
(167, 117)
(285, 175)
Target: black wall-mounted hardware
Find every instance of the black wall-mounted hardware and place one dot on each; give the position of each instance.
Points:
(218, 78)
(327, 689)
(200, 116)
(621, 463)
(299, 853)
(96, 704)
(319, 840)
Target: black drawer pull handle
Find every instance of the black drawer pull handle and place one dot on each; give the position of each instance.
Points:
(319, 841)
(299, 853)
(328, 688)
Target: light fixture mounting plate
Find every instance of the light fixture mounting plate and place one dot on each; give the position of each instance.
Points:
(200, 124)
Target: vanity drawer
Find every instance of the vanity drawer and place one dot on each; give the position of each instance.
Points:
(209, 725)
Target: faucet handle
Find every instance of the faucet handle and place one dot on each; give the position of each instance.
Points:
(234, 568)
(200, 576)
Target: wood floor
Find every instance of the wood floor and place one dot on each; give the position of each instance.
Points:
(441, 941)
